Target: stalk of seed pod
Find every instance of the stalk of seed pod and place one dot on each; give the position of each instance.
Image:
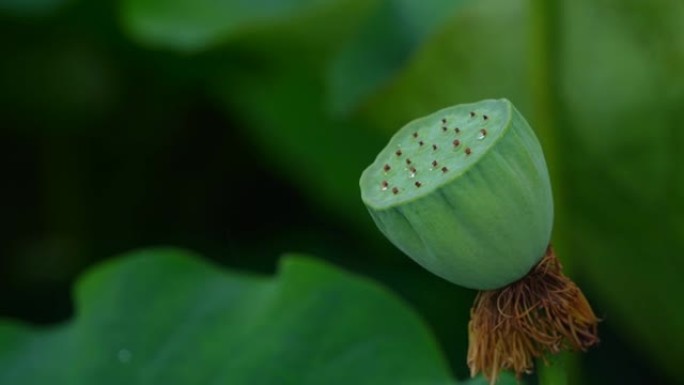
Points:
(474, 207)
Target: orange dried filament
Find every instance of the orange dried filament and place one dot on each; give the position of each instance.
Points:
(545, 312)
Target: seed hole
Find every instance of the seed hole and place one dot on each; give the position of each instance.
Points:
(395, 190)
(443, 120)
(398, 152)
(444, 169)
(457, 130)
(418, 184)
(472, 114)
(434, 163)
(483, 133)
(387, 167)
(456, 143)
(412, 169)
(485, 117)
(444, 128)
(384, 185)
(434, 147)
(468, 151)
(415, 134)
(421, 143)
(408, 161)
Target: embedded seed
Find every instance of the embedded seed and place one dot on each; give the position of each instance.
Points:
(386, 168)
(415, 134)
(472, 114)
(468, 151)
(456, 143)
(434, 147)
(418, 184)
(395, 190)
(421, 143)
(434, 163)
(398, 152)
(408, 161)
(384, 185)
(485, 117)
(457, 130)
(444, 169)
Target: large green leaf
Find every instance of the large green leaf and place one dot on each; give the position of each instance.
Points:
(623, 86)
(162, 316)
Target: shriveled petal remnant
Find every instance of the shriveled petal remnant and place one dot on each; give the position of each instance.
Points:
(545, 312)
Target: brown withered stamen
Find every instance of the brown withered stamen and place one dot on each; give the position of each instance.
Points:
(543, 313)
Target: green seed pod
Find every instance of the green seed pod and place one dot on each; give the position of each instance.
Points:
(464, 192)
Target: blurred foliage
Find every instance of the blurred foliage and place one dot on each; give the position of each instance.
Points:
(623, 87)
(31, 7)
(240, 129)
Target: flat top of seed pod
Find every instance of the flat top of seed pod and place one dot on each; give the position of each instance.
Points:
(431, 151)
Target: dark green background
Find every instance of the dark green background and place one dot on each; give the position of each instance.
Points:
(239, 130)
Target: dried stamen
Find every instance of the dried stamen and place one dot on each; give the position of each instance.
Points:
(543, 313)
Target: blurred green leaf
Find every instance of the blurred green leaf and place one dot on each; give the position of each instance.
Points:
(386, 41)
(623, 88)
(481, 53)
(287, 114)
(31, 7)
(504, 379)
(191, 25)
(163, 316)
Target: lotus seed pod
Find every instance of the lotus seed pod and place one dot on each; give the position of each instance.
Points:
(464, 192)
